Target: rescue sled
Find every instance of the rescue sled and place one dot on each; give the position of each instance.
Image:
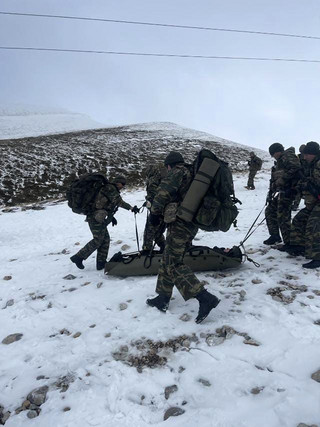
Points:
(198, 258)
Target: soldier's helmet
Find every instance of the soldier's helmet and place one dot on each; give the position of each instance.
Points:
(276, 148)
(301, 148)
(121, 179)
(251, 153)
(312, 147)
(172, 158)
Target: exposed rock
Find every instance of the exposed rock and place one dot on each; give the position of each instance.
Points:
(69, 277)
(12, 338)
(123, 306)
(316, 376)
(173, 412)
(99, 284)
(251, 341)
(76, 335)
(38, 396)
(66, 409)
(32, 414)
(226, 331)
(63, 383)
(181, 369)
(7, 278)
(65, 331)
(242, 294)
(256, 390)
(4, 416)
(92, 326)
(107, 335)
(72, 289)
(204, 382)
(9, 303)
(125, 247)
(185, 317)
(307, 425)
(317, 322)
(86, 284)
(169, 390)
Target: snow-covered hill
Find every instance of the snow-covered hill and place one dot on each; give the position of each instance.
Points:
(20, 121)
(110, 360)
(35, 169)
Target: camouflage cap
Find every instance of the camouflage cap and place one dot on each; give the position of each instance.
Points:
(121, 179)
(312, 147)
(173, 157)
(276, 148)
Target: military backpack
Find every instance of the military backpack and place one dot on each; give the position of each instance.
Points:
(83, 191)
(210, 201)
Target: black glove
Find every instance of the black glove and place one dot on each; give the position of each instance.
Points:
(135, 209)
(154, 219)
(114, 221)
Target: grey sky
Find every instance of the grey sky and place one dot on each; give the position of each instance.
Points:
(255, 103)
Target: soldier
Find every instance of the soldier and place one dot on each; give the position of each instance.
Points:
(255, 164)
(173, 271)
(280, 196)
(297, 200)
(106, 204)
(305, 230)
(153, 234)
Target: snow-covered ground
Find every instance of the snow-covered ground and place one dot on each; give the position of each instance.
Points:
(221, 382)
(20, 121)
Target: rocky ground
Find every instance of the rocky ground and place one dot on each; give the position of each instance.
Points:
(39, 168)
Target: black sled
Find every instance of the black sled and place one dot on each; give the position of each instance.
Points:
(198, 258)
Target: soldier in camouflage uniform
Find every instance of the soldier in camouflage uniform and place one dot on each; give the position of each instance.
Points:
(305, 229)
(155, 173)
(106, 204)
(284, 176)
(255, 164)
(173, 271)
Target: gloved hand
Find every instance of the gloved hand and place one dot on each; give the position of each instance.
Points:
(154, 219)
(135, 209)
(114, 221)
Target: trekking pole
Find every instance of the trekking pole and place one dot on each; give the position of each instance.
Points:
(137, 235)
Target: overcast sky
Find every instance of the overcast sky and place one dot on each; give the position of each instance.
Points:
(254, 103)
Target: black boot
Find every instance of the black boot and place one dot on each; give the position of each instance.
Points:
(315, 263)
(284, 248)
(100, 264)
(77, 261)
(161, 302)
(207, 302)
(274, 238)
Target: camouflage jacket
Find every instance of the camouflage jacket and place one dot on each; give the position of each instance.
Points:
(107, 203)
(173, 188)
(286, 171)
(255, 163)
(155, 173)
(310, 184)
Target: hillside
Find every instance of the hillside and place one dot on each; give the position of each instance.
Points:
(34, 169)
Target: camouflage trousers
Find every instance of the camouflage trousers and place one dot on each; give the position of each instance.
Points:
(278, 216)
(305, 231)
(152, 234)
(172, 271)
(99, 243)
(252, 174)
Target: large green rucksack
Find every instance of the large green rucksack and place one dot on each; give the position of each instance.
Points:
(216, 210)
(83, 191)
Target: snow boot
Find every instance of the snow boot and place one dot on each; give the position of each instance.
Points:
(283, 248)
(315, 263)
(161, 302)
(77, 261)
(100, 264)
(274, 238)
(207, 302)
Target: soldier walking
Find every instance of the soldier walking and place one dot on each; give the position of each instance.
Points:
(173, 271)
(155, 173)
(305, 229)
(106, 204)
(255, 164)
(283, 179)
